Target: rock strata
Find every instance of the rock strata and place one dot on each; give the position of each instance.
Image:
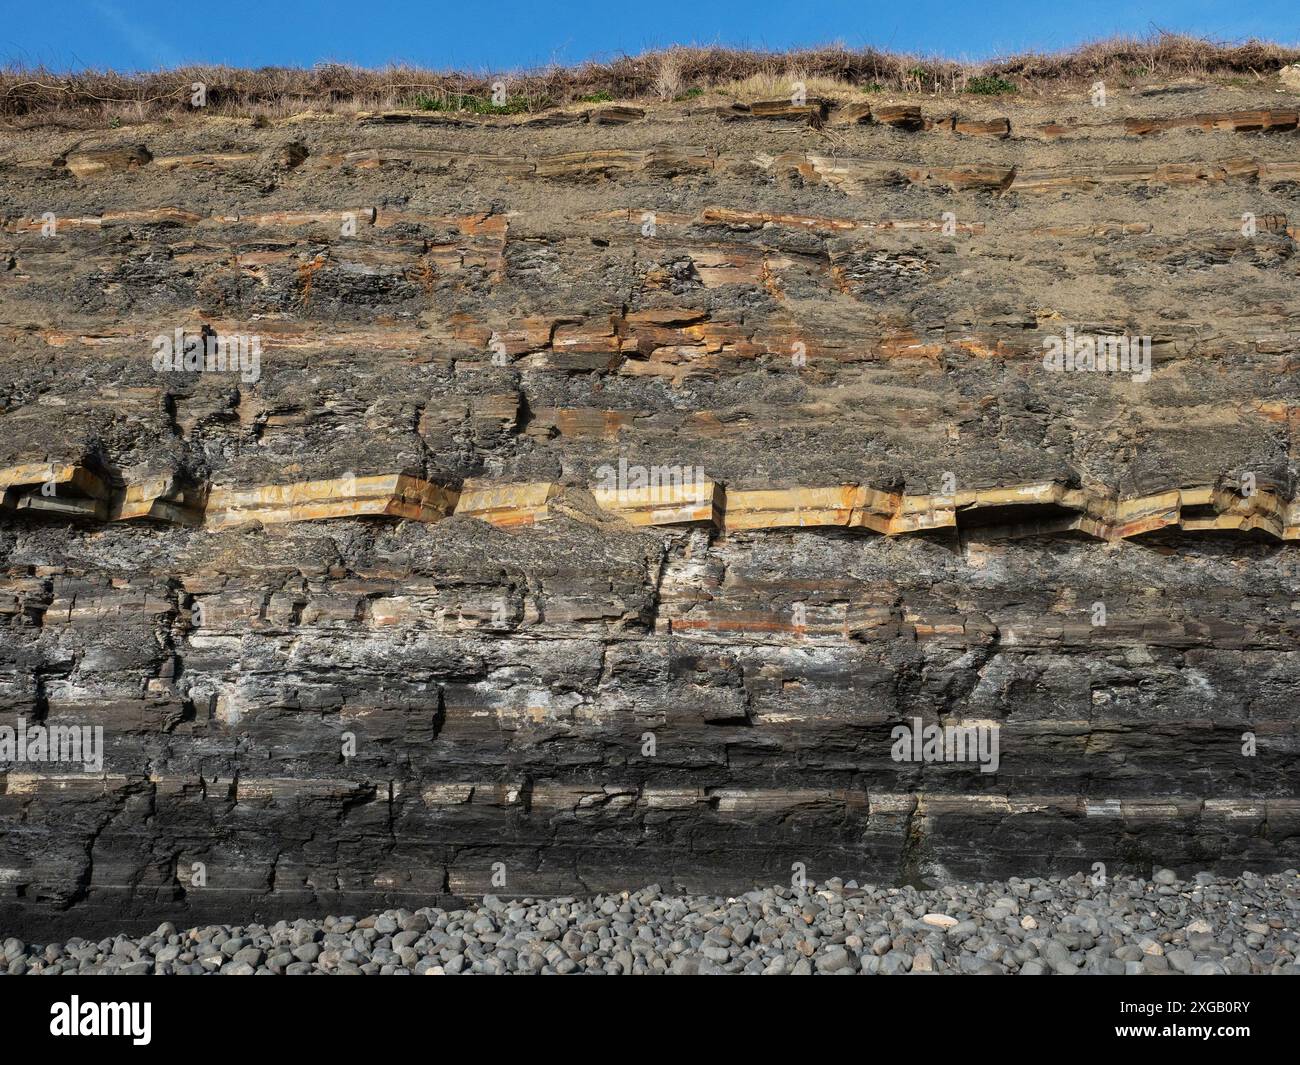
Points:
(631, 494)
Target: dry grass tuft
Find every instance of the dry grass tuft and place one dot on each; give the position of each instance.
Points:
(30, 96)
(668, 83)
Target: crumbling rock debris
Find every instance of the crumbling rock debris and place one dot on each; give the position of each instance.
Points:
(1059, 926)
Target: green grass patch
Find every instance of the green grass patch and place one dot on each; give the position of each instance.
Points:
(989, 85)
(464, 102)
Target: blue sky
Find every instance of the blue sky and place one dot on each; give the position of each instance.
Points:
(502, 35)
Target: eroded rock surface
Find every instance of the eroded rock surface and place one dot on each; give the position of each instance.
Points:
(569, 503)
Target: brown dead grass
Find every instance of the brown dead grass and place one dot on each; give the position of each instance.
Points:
(36, 95)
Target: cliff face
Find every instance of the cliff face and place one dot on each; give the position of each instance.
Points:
(569, 502)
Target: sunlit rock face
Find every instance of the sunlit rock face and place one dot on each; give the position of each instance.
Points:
(398, 508)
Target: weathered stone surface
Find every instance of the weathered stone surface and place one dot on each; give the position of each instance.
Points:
(509, 505)
(390, 495)
(677, 501)
(811, 111)
(612, 486)
(900, 116)
(1232, 121)
(993, 127)
(96, 162)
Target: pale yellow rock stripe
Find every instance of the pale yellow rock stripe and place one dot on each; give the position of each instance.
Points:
(74, 490)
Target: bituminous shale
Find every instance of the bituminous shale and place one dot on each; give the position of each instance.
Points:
(612, 486)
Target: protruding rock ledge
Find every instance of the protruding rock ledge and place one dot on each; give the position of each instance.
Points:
(1093, 512)
(611, 114)
(386, 495)
(908, 118)
(74, 490)
(851, 174)
(96, 162)
(507, 506)
(685, 497)
(668, 504)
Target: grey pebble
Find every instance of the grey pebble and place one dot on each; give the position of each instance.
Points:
(1059, 925)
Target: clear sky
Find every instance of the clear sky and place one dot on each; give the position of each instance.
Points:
(503, 35)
